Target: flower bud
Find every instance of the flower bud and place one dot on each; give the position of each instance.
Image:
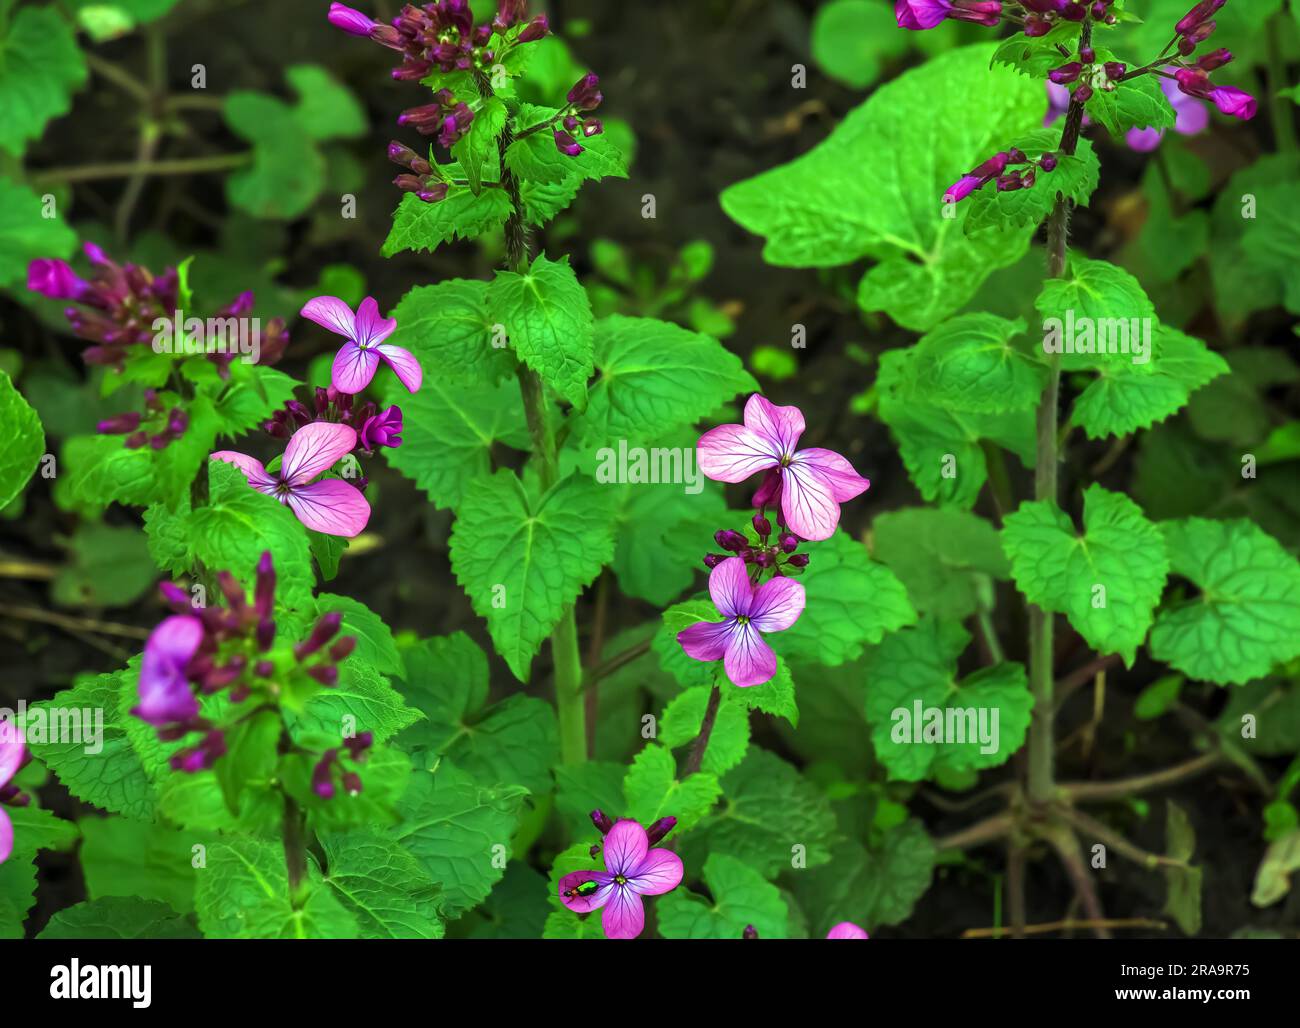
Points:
(602, 821)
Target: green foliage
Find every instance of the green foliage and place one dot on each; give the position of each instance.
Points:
(40, 69)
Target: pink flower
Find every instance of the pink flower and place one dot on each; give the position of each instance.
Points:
(12, 754)
(55, 279)
(165, 695)
(632, 870)
(847, 930)
(1234, 101)
(812, 483)
(331, 505)
(928, 14)
(365, 331)
(350, 21)
(747, 613)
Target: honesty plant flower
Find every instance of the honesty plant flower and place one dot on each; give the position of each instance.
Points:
(382, 429)
(331, 505)
(365, 331)
(847, 930)
(929, 14)
(1191, 118)
(165, 694)
(811, 483)
(632, 870)
(12, 753)
(747, 613)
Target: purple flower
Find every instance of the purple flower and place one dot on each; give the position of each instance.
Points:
(55, 279)
(747, 613)
(165, 695)
(585, 94)
(356, 362)
(353, 22)
(383, 429)
(1228, 99)
(1191, 118)
(847, 930)
(813, 482)
(632, 870)
(929, 14)
(331, 505)
(12, 754)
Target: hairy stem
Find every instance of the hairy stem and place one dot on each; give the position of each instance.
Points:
(696, 756)
(295, 846)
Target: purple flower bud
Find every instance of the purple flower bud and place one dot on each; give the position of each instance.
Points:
(175, 597)
(602, 821)
(1087, 54)
(265, 634)
(1199, 13)
(763, 559)
(325, 629)
(712, 560)
(1047, 162)
(326, 674)
(789, 542)
(55, 279)
(659, 829)
(535, 30)
(136, 440)
(350, 21)
(264, 669)
(434, 193)
(341, 649)
(383, 429)
(352, 783)
(799, 560)
(1115, 70)
(762, 526)
(358, 744)
(119, 424)
(566, 144)
(264, 591)
(585, 94)
(730, 540)
(322, 775)
(750, 932)
(1066, 73)
(592, 127)
(1214, 59)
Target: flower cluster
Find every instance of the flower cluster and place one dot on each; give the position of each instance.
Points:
(202, 651)
(583, 98)
(632, 870)
(170, 422)
(13, 754)
(1037, 16)
(996, 168)
(334, 763)
(119, 304)
(375, 428)
(804, 489)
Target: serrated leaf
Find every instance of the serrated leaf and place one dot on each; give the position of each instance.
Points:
(741, 897)
(477, 150)
(1137, 102)
(652, 790)
(536, 158)
(24, 441)
(447, 325)
(1247, 618)
(1096, 296)
(1106, 581)
(729, 738)
(1075, 177)
(970, 364)
(41, 67)
(121, 857)
(375, 644)
(388, 892)
(420, 226)
(119, 917)
(363, 701)
(26, 234)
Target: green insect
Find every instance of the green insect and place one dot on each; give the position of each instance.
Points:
(583, 889)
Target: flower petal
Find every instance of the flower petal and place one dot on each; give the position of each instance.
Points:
(781, 425)
(253, 469)
(845, 483)
(370, 327)
(730, 588)
(404, 365)
(847, 930)
(6, 836)
(332, 313)
(778, 603)
(808, 503)
(660, 872)
(748, 660)
(586, 904)
(624, 915)
(316, 448)
(331, 506)
(165, 694)
(732, 453)
(353, 368)
(12, 750)
(625, 847)
(706, 640)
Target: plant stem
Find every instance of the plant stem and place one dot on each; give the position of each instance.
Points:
(1087, 792)
(1281, 109)
(295, 847)
(696, 757)
(125, 169)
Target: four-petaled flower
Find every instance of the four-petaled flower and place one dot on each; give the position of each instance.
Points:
(331, 505)
(632, 870)
(12, 752)
(811, 483)
(747, 613)
(356, 362)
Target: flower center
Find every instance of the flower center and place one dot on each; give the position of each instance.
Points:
(742, 619)
(620, 880)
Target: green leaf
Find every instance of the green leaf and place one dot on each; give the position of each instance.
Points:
(108, 566)
(420, 226)
(17, 895)
(287, 173)
(1247, 618)
(821, 210)
(523, 559)
(768, 807)
(974, 723)
(655, 377)
(448, 326)
(25, 233)
(947, 559)
(363, 701)
(1126, 397)
(1183, 884)
(250, 759)
(970, 364)
(582, 788)
(385, 888)
(477, 151)
(1101, 296)
(1075, 177)
(741, 897)
(1134, 103)
(535, 157)
(36, 829)
(449, 430)
(40, 68)
(24, 441)
(853, 602)
(547, 316)
(1035, 56)
(375, 644)
(1107, 581)
(852, 39)
(119, 917)
(514, 741)
(729, 739)
(121, 857)
(456, 828)
(941, 447)
(326, 108)
(871, 886)
(244, 894)
(652, 790)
